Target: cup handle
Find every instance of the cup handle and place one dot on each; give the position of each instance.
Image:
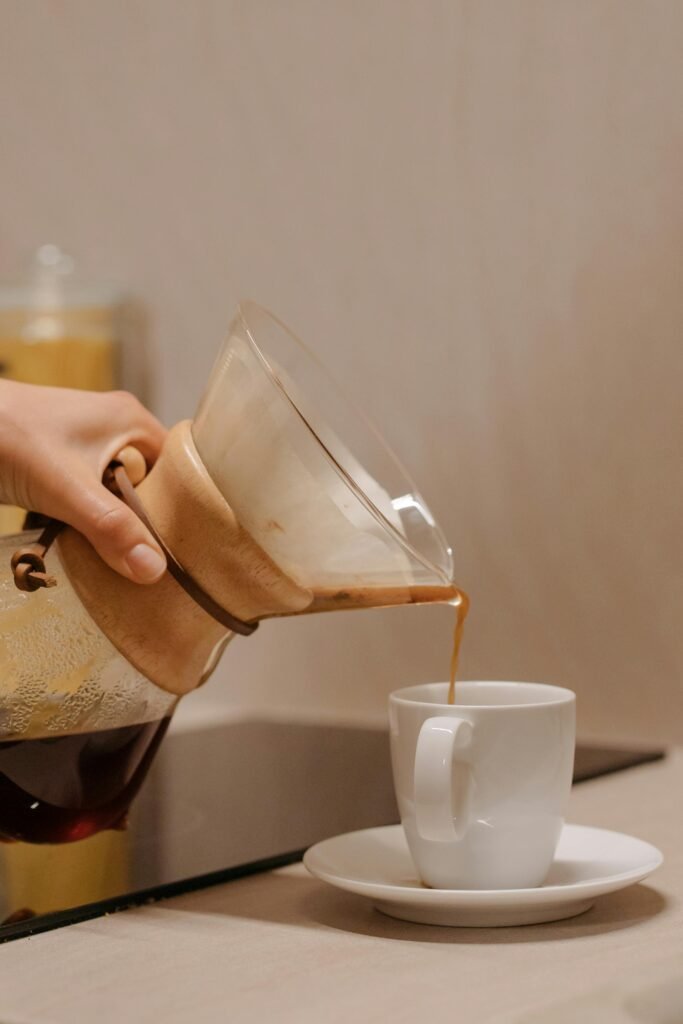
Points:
(439, 741)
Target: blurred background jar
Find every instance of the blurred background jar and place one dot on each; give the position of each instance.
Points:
(60, 329)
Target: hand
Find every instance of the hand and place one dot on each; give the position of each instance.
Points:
(55, 444)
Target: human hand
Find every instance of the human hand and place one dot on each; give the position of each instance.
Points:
(55, 444)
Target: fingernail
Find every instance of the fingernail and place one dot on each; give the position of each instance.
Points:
(145, 563)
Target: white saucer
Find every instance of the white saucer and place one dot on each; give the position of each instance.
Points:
(376, 863)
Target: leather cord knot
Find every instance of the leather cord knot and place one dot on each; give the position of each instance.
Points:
(28, 563)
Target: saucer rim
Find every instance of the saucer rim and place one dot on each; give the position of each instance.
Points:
(538, 895)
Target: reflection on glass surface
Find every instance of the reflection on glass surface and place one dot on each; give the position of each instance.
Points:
(215, 798)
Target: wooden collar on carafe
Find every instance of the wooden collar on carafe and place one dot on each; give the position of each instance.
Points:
(161, 629)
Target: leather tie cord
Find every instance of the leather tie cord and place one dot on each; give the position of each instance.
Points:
(28, 563)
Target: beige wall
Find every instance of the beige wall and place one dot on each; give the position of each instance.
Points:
(474, 211)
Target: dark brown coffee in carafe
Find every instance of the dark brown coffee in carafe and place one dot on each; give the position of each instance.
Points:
(63, 788)
(333, 599)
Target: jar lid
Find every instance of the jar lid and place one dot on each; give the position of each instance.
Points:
(52, 282)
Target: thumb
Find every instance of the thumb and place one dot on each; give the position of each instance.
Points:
(116, 533)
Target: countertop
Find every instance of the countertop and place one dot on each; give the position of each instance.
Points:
(285, 947)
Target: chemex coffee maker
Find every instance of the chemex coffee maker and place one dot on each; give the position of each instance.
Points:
(278, 499)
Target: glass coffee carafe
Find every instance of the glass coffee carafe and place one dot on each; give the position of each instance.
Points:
(279, 498)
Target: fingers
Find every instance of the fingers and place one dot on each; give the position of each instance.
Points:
(115, 532)
(55, 444)
(97, 425)
(130, 423)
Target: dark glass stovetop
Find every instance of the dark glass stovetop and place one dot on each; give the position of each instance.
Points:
(221, 802)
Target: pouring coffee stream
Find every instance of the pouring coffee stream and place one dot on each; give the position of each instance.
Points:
(462, 607)
(263, 512)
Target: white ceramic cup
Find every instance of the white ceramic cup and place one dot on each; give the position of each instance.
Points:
(482, 784)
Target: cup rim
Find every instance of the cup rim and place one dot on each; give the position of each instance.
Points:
(557, 695)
